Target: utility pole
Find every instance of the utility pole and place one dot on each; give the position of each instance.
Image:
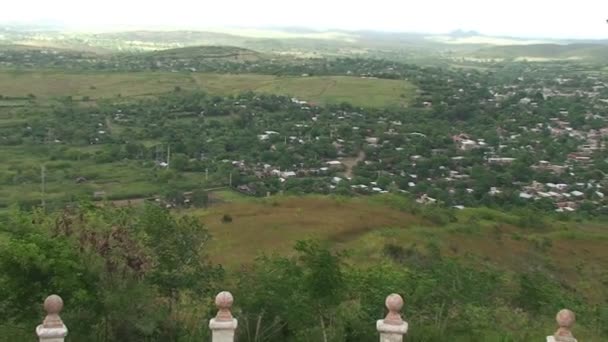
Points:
(230, 179)
(206, 174)
(168, 156)
(43, 186)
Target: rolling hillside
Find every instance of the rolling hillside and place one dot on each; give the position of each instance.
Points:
(380, 229)
(208, 52)
(546, 51)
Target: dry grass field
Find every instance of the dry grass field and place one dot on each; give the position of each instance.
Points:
(366, 92)
(574, 254)
(275, 224)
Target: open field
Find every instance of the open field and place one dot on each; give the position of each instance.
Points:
(119, 180)
(275, 224)
(573, 253)
(322, 90)
(45, 84)
(366, 92)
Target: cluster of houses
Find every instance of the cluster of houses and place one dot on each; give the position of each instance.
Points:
(465, 143)
(387, 141)
(567, 197)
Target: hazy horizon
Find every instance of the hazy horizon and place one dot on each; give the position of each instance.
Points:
(585, 19)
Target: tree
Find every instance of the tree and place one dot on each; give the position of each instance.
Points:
(200, 198)
(179, 161)
(112, 266)
(34, 264)
(178, 245)
(175, 196)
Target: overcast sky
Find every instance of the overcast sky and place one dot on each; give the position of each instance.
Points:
(527, 18)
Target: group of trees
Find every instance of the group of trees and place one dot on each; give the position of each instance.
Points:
(125, 274)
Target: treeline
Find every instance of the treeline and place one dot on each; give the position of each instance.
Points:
(142, 274)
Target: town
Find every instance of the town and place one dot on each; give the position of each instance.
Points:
(468, 138)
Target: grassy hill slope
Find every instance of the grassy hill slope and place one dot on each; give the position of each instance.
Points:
(545, 51)
(380, 229)
(208, 52)
(277, 223)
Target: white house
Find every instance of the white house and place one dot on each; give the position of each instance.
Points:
(288, 174)
(577, 193)
(525, 195)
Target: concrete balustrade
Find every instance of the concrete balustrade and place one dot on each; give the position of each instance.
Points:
(565, 320)
(392, 327)
(223, 326)
(52, 328)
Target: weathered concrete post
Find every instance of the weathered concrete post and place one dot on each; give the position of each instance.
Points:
(223, 325)
(565, 320)
(392, 328)
(52, 328)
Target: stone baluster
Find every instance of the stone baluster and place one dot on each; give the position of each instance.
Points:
(223, 325)
(52, 328)
(565, 320)
(392, 328)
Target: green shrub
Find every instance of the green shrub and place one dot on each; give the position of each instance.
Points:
(227, 218)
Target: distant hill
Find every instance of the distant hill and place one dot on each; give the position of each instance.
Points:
(309, 43)
(545, 51)
(463, 33)
(46, 47)
(209, 52)
(181, 37)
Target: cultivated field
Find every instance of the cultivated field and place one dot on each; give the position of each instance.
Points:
(321, 90)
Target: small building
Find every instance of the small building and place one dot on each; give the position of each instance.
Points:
(425, 199)
(99, 194)
(372, 140)
(501, 161)
(577, 193)
(334, 164)
(288, 174)
(525, 195)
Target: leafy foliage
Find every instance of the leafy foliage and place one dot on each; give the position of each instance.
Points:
(122, 272)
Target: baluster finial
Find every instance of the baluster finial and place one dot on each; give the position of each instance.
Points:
(392, 327)
(565, 320)
(223, 326)
(52, 328)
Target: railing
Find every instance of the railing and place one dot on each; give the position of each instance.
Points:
(223, 327)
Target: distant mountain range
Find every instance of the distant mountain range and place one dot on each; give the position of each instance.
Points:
(302, 41)
(55, 25)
